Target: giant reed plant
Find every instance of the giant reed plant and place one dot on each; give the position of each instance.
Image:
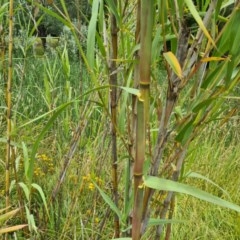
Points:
(201, 70)
(142, 112)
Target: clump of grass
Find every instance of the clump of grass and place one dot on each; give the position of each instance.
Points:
(220, 163)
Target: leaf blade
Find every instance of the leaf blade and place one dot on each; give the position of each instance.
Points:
(168, 185)
(198, 19)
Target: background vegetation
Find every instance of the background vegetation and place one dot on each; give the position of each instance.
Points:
(119, 119)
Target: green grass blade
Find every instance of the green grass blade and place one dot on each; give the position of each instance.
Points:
(31, 222)
(109, 201)
(198, 19)
(36, 186)
(3, 9)
(26, 159)
(200, 176)
(168, 185)
(92, 34)
(113, 10)
(54, 15)
(185, 133)
(25, 190)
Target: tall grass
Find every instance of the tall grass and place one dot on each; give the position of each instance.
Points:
(94, 145)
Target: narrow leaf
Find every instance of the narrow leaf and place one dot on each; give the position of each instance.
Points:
(26, 159)
(198, 19)
(36, 186)
(25, 190)
(54, 15)
(199, 176)
(204, 103)
(210, 59)
(113, 9)
(92, 34)
(185, 133)
(108, 200)
(168, 185)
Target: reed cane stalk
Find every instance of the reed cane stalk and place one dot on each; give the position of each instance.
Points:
(9, 106)
(142, 112)
(113, 103)
(138, 171)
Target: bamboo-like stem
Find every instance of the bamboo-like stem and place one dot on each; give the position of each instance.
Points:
(113, 103)
(9, 106)
(145, 51)
(136, 80)
(142, 112)
(136, 85)
(138, 170)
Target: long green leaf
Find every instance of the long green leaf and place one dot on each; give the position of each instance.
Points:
(200, 176)
(109, 201)
(54, 15)
(185, 133)
(3, 9)
(25, 159)
(113, 10)
(25, 190)
(168, 185)
(36, 186)
(31, 222)
(198, 19)
(92, 34)
(204, 103)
